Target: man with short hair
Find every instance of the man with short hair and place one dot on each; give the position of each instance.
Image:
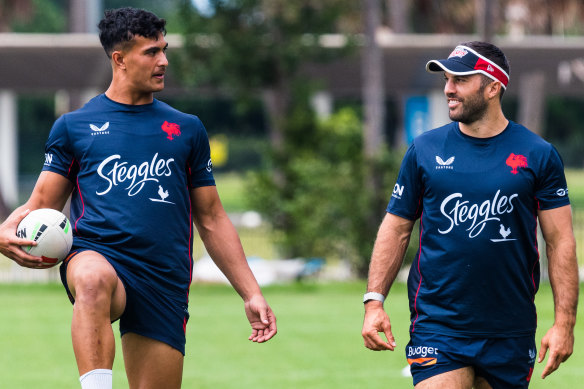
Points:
(478, 186)
(140, 174)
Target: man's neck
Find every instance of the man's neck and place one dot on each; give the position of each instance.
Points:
(486, 127)
(127, 96)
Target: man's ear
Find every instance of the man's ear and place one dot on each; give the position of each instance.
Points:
(494, 89)
(118, 60)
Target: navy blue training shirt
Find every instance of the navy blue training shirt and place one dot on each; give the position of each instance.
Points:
(133, 167)
(477, 268)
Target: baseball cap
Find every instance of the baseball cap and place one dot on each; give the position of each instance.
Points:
(465, 61)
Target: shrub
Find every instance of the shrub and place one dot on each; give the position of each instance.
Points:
(314, 193)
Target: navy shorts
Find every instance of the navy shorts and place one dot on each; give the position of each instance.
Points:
(503, 362)
(151, 311)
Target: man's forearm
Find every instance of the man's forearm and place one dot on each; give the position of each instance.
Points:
(224, 246)
(563, 272)
(556, 227)
(388, 253)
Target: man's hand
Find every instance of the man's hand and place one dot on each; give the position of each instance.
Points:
(560, 342)
(376, 320)
(261, 318)
(10, 244)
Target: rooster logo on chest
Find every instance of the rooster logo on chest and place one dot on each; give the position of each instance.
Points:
(170, 129)
(516, 161)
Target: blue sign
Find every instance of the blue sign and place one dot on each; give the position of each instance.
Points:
(417, 117)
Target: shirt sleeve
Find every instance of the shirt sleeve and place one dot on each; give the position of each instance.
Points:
(406, 198)
(200, 165)
(552, 189)
(59, 157)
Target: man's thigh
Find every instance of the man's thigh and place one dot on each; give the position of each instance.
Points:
(462, 378)
(151, 364)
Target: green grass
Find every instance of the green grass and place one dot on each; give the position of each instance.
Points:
(256, 242)
(575, 180)
(318, 346)
(319, 343)
(231, 188)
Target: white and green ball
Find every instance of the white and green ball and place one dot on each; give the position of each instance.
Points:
(52, 232)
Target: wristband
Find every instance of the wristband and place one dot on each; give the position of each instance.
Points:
(373, 296)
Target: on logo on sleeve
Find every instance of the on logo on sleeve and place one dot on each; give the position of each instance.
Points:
(562, 192)
(398, 191)
(48, 159)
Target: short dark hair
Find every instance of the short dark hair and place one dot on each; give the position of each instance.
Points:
(119, 26)
(493, 53)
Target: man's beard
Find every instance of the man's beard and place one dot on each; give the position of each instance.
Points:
(473, 109)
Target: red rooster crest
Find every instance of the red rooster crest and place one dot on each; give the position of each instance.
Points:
(171, 129)
(515, 161)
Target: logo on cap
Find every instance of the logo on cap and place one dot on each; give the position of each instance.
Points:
(458, 52)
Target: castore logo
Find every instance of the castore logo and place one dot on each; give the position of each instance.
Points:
(99, 130)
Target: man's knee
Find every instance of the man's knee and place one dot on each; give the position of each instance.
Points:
(481, 383)
(92, 280)
(95, 286)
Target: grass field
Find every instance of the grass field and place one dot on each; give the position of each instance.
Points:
(575, 180)
(231, 187)
(318, 346)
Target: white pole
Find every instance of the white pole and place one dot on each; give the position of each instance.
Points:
(8, 148)
(438, 109)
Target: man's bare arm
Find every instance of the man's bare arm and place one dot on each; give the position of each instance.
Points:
(556, 226)
(388, 254)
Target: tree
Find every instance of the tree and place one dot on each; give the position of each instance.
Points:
(254, 48)
(490, 17)
(550, 17)
(397, 16)
(313, 191)
(13, 9)
(372, 75)
(324, 209)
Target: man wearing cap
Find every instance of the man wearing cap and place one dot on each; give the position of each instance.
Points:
(479, 185)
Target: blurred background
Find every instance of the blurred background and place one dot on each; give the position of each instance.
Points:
(309, 105)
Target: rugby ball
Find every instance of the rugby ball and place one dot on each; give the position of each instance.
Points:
(52, 232)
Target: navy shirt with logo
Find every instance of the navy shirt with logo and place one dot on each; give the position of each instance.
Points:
(477, 268)
(132, 167)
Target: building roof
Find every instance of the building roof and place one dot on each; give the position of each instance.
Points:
(49, 62)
